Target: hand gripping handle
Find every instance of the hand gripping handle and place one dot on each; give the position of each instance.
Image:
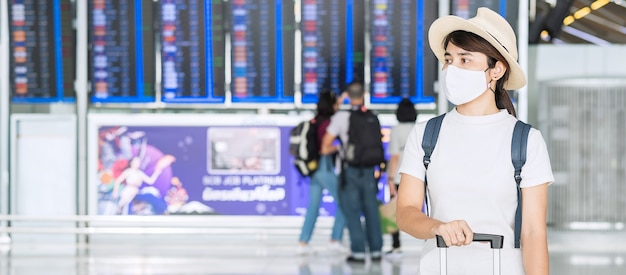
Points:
(496, 241)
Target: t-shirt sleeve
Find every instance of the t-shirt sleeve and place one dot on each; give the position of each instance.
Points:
(413, 155)
(537, 169)
(336, 123)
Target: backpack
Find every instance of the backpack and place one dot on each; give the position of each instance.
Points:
(303, 146)
(518, 158)
(365, 146)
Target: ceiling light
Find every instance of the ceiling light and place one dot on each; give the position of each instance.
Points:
(568, 20)
(592, 39)
(582, 12)
(598, 4)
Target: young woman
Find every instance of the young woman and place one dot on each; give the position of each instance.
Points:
(470, 178)
(323, 178)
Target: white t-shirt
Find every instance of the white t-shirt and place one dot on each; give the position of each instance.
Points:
(470, 178)
(397, 140)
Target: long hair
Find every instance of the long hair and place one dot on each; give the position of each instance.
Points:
(406, 111)
(474, 43)
(326, 103)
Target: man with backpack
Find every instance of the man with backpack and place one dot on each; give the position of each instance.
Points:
(361, 152)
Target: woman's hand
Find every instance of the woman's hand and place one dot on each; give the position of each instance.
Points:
(455, 233)
(393, 191)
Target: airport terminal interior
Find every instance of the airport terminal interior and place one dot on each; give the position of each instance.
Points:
(263, 252)
(200, 97)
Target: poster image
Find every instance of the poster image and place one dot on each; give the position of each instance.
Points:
(135, 177)
(182, 170)
(236, 150)
(153, 169)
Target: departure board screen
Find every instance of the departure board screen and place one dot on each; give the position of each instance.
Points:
(397, 52)
(467, 8)
(192, 51)
(122, 51)
(42, 48)
(262, 50)
(509, 9)
(332, 46)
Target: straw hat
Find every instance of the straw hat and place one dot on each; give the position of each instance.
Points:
(488, 25)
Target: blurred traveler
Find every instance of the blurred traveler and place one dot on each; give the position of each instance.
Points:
(406, 116)
(358, 185)
(323, 178)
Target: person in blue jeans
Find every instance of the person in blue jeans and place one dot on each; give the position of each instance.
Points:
(358, 186)
(358, 195)
(323, 178)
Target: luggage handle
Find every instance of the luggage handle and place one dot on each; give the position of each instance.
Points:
(496, 241)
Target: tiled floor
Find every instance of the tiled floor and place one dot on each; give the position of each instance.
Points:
(571, 254)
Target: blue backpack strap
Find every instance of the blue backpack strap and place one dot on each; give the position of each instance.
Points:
(431, 133)
(518, 157)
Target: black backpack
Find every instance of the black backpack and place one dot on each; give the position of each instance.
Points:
(303, 146)
(365, 145)
(518, 158)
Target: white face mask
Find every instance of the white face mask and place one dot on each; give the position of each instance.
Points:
(462, 86)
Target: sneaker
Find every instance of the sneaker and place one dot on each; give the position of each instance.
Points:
(304, 250)
(395, 253)
(376, 256)
(352, 259)
(336, 247)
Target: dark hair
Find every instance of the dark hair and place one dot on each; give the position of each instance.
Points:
(355, 90)
(406, 111)
(474, 43)
(326, 103)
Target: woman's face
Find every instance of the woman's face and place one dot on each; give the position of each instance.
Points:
(134, 163)
(463, 59)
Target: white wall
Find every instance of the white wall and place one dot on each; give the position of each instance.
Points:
(557, 62)
(581, 119)
(43, 176)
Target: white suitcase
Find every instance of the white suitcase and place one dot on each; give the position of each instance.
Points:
(496, 245)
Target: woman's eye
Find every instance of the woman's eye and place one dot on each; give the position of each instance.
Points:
(448, 61)
(463, 60)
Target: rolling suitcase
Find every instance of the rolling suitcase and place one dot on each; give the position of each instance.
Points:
(496, 245)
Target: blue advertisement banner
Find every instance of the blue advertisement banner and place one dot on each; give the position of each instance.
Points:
(206, 170)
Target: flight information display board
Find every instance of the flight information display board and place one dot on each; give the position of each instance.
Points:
(509, 9)
(467, 8)
(397, 52)
(262, 50)
(333, 45)
(42, 50)
(121, 58)
(192, 51)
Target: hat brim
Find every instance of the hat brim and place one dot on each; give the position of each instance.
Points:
(447, 24)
